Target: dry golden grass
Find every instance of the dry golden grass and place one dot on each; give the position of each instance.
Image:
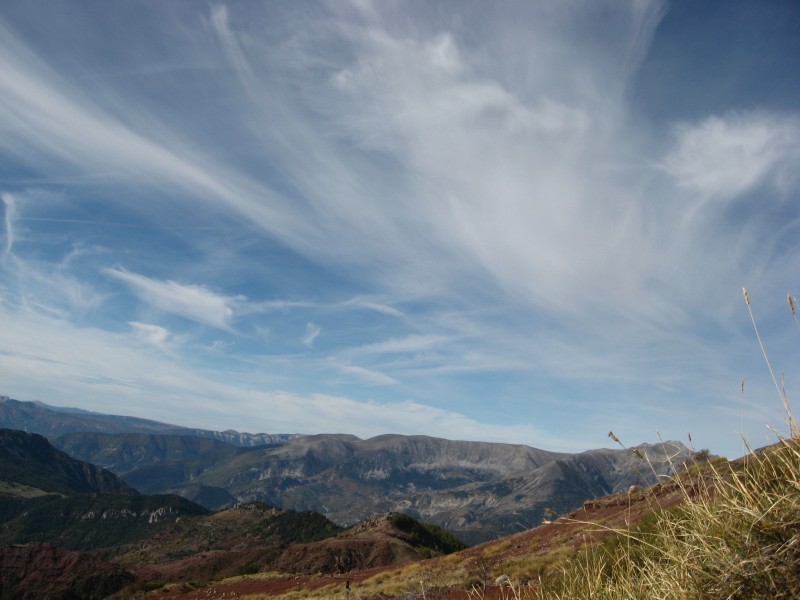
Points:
(737, 534)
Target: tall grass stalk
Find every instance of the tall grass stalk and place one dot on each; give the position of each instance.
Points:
(735, 536)
(780, 389)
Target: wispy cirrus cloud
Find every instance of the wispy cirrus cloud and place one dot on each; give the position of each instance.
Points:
(194, 302)
(312, 333)
(412, 343)
(355, 303)
(725, 156)
(152, 334)
(371, 377)
(9, 208)
(56, 122)
(472, 205)
(92, 365)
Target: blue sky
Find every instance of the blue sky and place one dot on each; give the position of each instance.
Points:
(524, 222)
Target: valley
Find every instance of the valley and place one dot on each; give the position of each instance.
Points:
(156, 509)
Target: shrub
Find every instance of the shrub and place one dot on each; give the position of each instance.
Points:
(250, 569)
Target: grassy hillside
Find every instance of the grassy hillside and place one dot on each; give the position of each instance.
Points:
(736, 536)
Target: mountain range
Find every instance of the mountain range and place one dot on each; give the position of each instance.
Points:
(52, 421)
(70, 530)
(477, 490)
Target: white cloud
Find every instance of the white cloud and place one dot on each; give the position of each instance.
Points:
(9, 207)
(152, 334)
(725, 156)
(367, 304)
(52, 286)
(326, 413)
(48, 121)
(194, 302)
(367, 375)
(505, 185)
(488, 183)
(355, 303)
(312, 332)
(476, 186)
(410, 344)
(93, 367)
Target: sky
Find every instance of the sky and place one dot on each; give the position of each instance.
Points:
(515, 221)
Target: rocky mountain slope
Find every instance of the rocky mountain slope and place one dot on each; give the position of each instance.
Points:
(478, 490)
(28, 459)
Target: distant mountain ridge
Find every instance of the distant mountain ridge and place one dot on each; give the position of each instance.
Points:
(52, 421)
(478, 490)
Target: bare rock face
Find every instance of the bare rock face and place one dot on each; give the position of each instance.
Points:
(36, 571)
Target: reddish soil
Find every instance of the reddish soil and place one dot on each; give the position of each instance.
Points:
(43, 571)
(587, 524)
